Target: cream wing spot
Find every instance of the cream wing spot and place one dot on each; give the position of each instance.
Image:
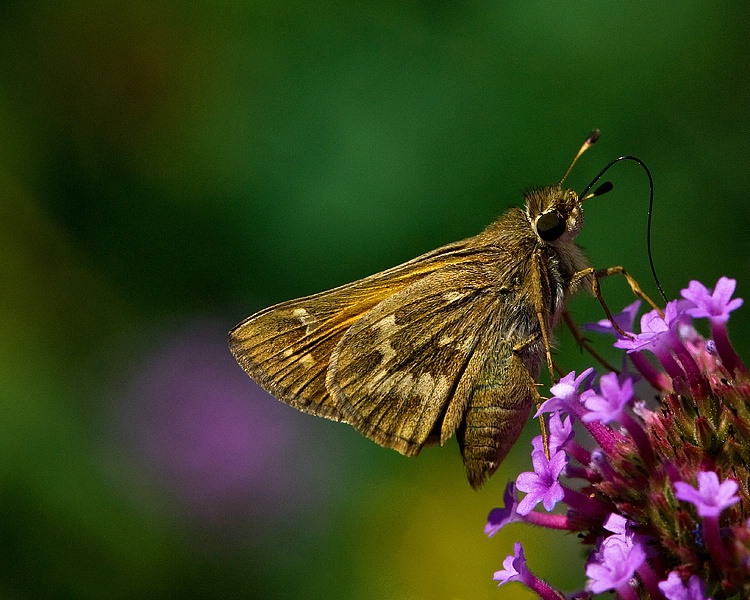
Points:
(442, 387)
(384, 330)
(386, 350)
(452, 296)
(307, 360)
(397, 380)
(425, 385)
(445, 340)
(386, 325)
(306, 319)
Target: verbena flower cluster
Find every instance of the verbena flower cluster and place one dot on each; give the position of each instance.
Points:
(659, 494)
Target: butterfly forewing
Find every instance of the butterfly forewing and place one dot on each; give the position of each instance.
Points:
(286, 348)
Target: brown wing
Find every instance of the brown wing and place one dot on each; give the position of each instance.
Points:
(413, 358)
(286, 348)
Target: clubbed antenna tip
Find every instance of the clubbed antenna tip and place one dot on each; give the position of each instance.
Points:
(593, 137)
(590, 140)
(604, 188)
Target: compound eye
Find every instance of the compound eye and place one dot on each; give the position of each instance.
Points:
(550, 226)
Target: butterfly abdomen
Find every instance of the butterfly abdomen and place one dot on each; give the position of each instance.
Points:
(497, 411)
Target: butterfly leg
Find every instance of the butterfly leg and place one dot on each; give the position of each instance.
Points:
(547, 347)
(595, 275)
(540, 280)
(618, 270)
(533, 385)
(584, 343)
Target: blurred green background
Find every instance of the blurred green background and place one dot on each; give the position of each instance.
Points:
(168, 168)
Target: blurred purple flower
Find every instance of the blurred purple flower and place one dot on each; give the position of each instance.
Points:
(209, 435)
(674, 589)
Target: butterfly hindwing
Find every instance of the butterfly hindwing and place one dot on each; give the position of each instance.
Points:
(411, 360)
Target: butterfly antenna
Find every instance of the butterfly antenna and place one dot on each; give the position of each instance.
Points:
(590, 141)
(607, 186)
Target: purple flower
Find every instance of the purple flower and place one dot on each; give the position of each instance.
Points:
(674, 589)
(514, 567)
(209, 437)
(655, 330)
(629, 483)
(542, 485)
(500, 517)
(711, 497)
(658, 335)
(624, 321)
(716, 306)
(560, 432)
(613, 567)
(616, 523)
(537, 445)
(565, 396)
(609, 405)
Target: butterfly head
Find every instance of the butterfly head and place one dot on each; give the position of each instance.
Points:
(555, 214)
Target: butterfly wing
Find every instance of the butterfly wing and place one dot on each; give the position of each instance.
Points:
(447, 342)
(286, 348)
(407, 369)
(457, 352)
